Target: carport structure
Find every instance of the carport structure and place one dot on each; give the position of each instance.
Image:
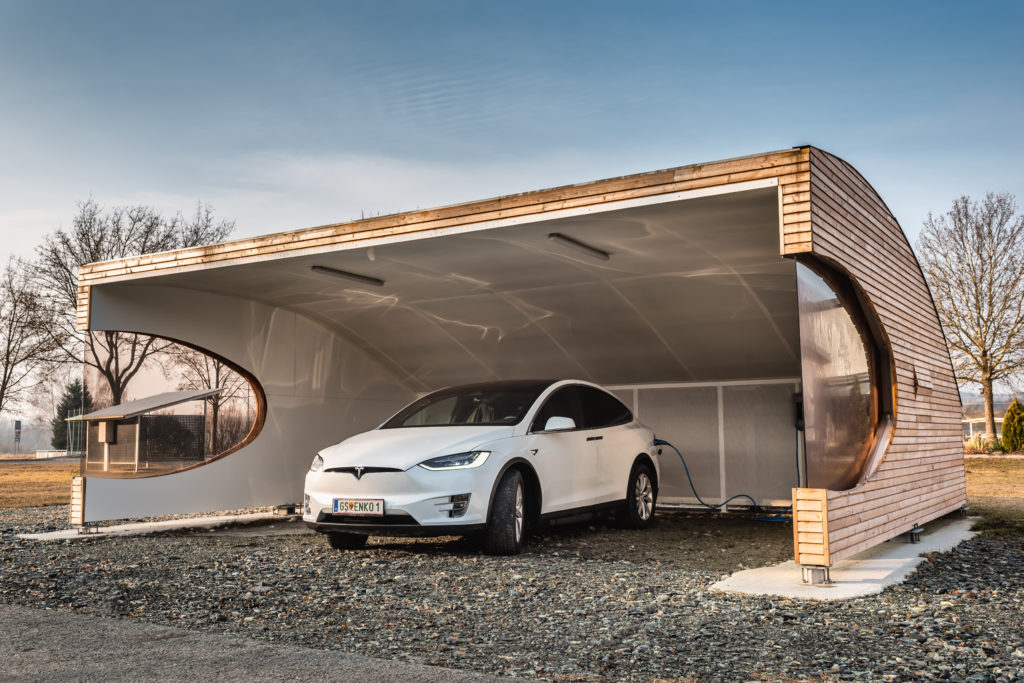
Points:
(715, 299)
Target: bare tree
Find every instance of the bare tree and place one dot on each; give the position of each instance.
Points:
(46, 395)
(95, 235)
(27, 342)
(200, 371)
(973, 257)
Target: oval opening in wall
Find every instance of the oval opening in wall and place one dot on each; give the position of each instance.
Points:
(154, 406)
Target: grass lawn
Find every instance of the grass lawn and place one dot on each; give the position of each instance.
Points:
(32, 484)
(995, 490)
(998, 477)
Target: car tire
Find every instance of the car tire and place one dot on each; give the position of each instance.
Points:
(507, 520)
(641, 496)
(345, 541)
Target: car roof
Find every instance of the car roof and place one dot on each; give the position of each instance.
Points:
(503, 385)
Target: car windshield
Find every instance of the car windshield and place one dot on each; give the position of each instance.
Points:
(495, 403)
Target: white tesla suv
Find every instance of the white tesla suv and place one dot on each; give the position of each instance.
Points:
(491, 459)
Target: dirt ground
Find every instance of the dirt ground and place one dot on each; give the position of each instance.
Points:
(31, 484)
(995, 486)
(994, 476)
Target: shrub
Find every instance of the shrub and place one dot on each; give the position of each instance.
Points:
(1013, 427)
(974, 447)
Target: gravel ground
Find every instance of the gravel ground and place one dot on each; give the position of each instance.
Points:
(582, 603)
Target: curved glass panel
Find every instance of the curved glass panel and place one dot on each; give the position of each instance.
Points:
(156, 406)
(840, 407)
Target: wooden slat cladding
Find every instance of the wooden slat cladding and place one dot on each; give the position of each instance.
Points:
(77, 501)
(810, 526)
(790, 167)
(795, 214)
(82, 312)
(922, 474)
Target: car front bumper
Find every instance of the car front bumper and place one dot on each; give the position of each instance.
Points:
(325, 525)
(416, 501)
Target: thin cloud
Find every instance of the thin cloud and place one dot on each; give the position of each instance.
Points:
(271, 192)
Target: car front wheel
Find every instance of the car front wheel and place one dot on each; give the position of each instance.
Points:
(641, 495)
(504, 534)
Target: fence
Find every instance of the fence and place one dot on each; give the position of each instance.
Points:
(149, 443)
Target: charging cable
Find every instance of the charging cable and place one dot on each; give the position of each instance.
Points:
(661, 442)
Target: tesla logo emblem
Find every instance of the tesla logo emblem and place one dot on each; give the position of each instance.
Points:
(358, 471)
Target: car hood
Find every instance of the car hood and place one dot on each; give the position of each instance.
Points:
(409, 446)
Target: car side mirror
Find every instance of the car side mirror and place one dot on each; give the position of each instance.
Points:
(559, 424)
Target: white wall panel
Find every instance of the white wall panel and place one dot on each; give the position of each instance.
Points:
(761, 442)
(319, 388)
(687, 418)
(738, 437)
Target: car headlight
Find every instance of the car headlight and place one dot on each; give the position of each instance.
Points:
(458, 461)
(318, 464)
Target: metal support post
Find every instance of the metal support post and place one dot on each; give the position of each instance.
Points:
(816, 576)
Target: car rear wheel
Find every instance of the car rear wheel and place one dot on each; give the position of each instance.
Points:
(641, 495)
(345, 541)
(505, 527)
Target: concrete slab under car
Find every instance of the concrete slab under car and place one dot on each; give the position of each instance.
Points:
(865, 573)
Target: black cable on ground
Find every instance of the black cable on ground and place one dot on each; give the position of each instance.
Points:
(772, 518)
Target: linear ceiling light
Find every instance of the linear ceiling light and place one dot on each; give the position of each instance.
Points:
(593, 252)
(344, 274)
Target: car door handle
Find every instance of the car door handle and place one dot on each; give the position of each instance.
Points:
(594, 438)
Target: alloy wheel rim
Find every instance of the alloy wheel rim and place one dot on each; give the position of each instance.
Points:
(644, 494)
(518, 514)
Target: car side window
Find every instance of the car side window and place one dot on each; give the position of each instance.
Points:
(565, 402)
(601, 409)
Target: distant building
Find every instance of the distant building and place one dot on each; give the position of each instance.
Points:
(974, 428)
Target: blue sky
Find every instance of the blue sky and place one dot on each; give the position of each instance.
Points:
(287, 115)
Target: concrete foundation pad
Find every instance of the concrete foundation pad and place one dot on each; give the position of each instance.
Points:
(137, 528)
(865, 573)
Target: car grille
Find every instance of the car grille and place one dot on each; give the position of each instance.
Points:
(366, 470)
(386, 520)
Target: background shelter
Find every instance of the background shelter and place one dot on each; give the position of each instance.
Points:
(145, 435)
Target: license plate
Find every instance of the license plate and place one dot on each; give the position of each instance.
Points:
(351, 506)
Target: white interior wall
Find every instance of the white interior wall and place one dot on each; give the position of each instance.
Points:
(319, 389)
(737, 437)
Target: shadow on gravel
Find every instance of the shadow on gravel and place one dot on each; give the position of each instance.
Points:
(683, 540)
